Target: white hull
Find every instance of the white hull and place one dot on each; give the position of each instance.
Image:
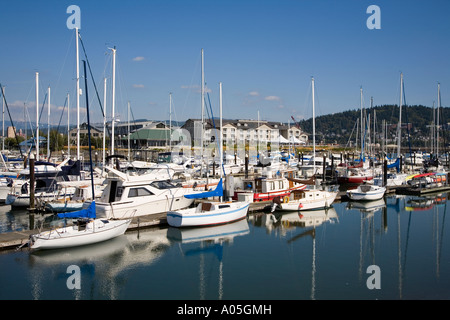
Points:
(374, 193)
(314, 199)
(141, 206)
(96, 231)
(219, 213)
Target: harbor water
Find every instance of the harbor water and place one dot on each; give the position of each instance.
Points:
(392, 249)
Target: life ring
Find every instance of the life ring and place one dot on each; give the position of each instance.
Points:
(286, 199)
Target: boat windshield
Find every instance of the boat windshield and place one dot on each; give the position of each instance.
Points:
(162, 185)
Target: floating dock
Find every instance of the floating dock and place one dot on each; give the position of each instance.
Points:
(15, 239)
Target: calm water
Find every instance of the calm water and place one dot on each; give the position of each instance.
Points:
(318, 255)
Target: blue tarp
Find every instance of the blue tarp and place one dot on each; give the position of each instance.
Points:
(84, 213)
(217, 192)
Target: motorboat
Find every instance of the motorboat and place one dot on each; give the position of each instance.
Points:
(126, 196)
(366, 192)
(307, 199)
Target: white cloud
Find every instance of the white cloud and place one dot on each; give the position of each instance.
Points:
(138, 58)
(272, 98)
(139, 86)
(253, 93)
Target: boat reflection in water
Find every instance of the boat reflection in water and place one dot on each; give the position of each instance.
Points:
(102, 265)
(209, 241)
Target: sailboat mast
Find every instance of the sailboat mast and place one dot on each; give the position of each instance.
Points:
(221, 131)
(78, 93)
(113, 99)
(48, 127)
(314, 126)
(104, 123)
(68, 126)
(400, 117)
(37, 116)
(362, 121)
(437, 120)
(203, 111)
(3, 120)
(129, 134)
(170, 121)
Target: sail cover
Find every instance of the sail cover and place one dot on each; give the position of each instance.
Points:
(217, 192)
(84, 213)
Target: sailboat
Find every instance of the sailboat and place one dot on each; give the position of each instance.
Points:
(208, 213)
(306, 199)
(87, 229)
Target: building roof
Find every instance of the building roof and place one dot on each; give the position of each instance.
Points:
(149, 134)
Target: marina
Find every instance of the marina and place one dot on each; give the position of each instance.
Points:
(278, 256)
(160, 165)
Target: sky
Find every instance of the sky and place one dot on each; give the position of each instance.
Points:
(264, 52)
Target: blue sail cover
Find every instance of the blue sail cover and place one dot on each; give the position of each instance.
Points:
(217, 192)
(396, 164)
(83, 213)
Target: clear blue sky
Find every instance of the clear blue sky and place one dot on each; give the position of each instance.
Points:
(263, 51)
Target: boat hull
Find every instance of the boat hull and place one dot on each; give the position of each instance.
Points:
(96, 231)
(370, 195)
(192, 218)
(319, 200)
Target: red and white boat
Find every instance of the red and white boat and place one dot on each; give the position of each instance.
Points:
(355, 175)
(265, 189)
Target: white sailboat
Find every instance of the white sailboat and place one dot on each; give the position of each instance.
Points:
(88, 229)
(307, 199)
(210, 213)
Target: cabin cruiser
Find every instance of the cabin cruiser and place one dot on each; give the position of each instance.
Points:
(127, 196)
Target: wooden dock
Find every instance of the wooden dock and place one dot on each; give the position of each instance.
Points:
(15, 239)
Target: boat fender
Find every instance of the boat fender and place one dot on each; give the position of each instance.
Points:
(286, 199)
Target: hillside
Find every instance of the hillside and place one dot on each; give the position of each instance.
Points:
(338, 127)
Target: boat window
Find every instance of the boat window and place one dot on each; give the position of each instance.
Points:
(162, 185)
(119, 192)
(139, 192)
(224, 206)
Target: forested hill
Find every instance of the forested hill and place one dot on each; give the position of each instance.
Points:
(338, 127)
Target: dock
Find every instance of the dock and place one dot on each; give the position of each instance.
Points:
(15, 239)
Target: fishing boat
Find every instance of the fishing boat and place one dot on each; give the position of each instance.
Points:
(209, 213)
(366, 192)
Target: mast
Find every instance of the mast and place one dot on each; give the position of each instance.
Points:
(113, 99)
(170, 121)
(400, 117)
(437, 120)
(3, 120)
(221, 131)
(104, 123)
(129, 134)
(314, 126)
(68, 126)
(48, 127)
(203, 112)
(362, 122)
(37, 116)
(78, 94)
